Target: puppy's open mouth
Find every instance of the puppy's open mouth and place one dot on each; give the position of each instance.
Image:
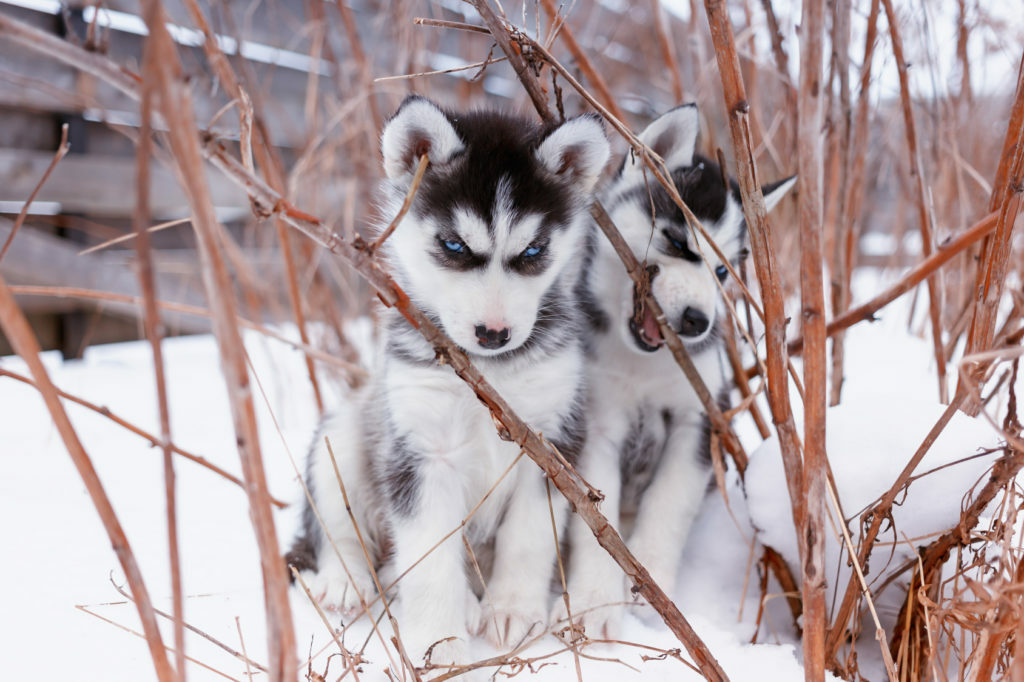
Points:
(643, 324)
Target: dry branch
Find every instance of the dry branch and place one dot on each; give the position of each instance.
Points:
(586, 68)
(851, 201)
(812, 299)
(992, 269)
(62, 150)
(20, 335)
(921, 197)
(182, 135)
(876, 516)
(123, 423)
(765, 267)
(154, 334)
(945, 253)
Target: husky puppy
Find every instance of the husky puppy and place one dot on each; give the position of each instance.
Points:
(647, 444)
(493, 251)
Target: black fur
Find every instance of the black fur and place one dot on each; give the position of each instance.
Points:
(400, 477)
(701, 187)
(498, 148)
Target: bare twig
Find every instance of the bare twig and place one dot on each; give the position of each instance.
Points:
(592, 75)
(764, 255)
(62, 150)
(417, 178)
(154, 334)
(132, 235)
(812, 299)
(191, 628)
(176, 104)
(921, 197)
(941, 256)
(992, 269)
(21, 337)
(153, 439)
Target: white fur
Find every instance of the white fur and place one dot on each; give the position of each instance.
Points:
(418, 123)
(577, 146)
(672, 136)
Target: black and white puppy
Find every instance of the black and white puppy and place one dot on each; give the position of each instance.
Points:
(493, 251)
(647, 443)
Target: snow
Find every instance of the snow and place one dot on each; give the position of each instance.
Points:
(59, 556)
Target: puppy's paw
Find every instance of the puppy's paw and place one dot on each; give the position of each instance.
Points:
(597, 610)
(331, 587)
(510, 622)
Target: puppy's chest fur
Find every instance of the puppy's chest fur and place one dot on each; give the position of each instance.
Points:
(429, 414)
(647, 401)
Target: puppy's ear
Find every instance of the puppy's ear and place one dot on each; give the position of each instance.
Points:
(672, 136)
(773, 192)
(418, 127)
(577, 150)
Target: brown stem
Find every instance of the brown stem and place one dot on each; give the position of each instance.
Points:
(852, 198)
(996, 249)
(763, 253)
(272, 166)
(921, 197)
(62, 150)
(668, 49)
(153, 326)
(941, 256)
(877, 515)
(592, 75)
(25, 344)
(812, 300)
(182, 134)
(153, 439)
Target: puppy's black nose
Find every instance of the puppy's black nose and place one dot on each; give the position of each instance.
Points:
(492, 339)
(694, 322)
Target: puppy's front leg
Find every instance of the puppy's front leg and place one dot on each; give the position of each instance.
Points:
(670, 503)
(427, 503)
(597, 587)
(524, 556)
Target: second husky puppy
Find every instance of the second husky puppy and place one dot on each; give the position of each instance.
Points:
(647, 442)
(492, 251)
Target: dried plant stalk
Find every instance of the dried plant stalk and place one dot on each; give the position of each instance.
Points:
(592, 75)
(992, 269)
(812, 297)
(21, 337)
(182, 135)
(152, 324)
(853, 194)
(944, 254)
(921, 198)
(763, 253)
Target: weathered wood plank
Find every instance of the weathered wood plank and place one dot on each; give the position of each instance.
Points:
(44, 260)
(101, 185)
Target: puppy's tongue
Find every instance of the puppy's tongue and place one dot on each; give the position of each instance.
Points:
(650, 328)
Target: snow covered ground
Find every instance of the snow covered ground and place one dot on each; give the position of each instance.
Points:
(57, 557)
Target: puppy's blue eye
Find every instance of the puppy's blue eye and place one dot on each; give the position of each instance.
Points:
(532, 251)
(721, 272)
(676, 244)
(454, 246)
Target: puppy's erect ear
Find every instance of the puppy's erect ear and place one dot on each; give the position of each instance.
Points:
(578, 149)
(773, 192)
(418, 127)
(672, 136)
